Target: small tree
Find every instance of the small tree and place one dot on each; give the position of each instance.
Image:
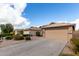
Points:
(9, 28)
(6, 29)
(3, 28)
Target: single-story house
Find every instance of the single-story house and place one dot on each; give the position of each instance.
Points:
(58, 30)
(32, 31)
(18, 31)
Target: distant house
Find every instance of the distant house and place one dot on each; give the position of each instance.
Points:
(58, 31)
(32, 31)
(18, 31)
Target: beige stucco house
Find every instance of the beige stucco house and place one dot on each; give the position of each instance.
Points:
(32, 31)
(58, 31)
(18, 31)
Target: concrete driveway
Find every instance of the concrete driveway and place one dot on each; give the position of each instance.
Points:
(40, 47)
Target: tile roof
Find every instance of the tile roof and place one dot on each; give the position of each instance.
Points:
(31, 28)
(57, 25)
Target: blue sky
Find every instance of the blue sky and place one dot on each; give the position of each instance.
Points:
(43, 13)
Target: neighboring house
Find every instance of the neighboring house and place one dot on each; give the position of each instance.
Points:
(32, 31)
(18, 31)
(58, 31)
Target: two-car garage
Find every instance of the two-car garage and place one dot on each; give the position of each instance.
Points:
(58, 31)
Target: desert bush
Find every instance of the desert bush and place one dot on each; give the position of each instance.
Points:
(75, 41)
(18, 37)
(76, 44)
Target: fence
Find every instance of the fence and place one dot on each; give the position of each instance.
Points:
(76, 34)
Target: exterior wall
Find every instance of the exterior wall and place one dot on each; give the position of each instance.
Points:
(70, 32)
(41, 32)
(26, 32)
(33, 33)
(16, 32)
(76, 34)
(44, 32)
(58, 33)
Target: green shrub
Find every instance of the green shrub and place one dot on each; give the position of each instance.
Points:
(9, 37)
(28, 37)
(0, 35)
(5, 34)
(38, 33)
(18, 37)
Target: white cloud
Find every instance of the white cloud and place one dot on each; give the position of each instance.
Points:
(62, 21)
(76, 22)
(11, 13)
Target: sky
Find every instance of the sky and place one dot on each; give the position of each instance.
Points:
(12, 13)
(24, 15)
(44, 13)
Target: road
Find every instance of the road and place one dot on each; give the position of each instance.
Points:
(40, 47)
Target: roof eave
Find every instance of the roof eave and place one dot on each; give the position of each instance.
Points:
(59, 26)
